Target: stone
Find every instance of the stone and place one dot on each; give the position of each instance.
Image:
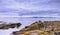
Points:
(9, 25)
(33, 33)
(47, 26)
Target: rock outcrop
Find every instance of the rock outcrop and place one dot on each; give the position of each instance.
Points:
(9, 25)
(40, 28)
(52, 25)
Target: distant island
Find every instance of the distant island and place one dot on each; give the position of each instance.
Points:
(40, 28)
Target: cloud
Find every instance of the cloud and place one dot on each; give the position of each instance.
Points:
(25, 7)
(36, 5)
(33, 5)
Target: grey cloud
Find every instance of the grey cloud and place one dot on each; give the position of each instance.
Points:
(29, 6)
(41, 13)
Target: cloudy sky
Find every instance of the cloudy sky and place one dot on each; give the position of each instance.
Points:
(26, 8)
(29, 8)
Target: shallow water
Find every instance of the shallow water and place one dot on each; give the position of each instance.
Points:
(24, 21)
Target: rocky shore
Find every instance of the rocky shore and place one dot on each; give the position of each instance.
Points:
(40, 28)
(5, 25)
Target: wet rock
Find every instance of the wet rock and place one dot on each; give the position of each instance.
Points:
(9, 25)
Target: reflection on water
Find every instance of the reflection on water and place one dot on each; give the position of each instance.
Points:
(23, 21)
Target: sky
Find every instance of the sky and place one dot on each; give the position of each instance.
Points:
(16, 10)
(29, 8)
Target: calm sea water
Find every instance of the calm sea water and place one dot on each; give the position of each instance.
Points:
(24, 21)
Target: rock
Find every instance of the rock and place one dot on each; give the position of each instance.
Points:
(9, 25)
(47, 26)
(58, 33)
(34, 26)
(33, 33)
(50, 25)
(16, 33)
